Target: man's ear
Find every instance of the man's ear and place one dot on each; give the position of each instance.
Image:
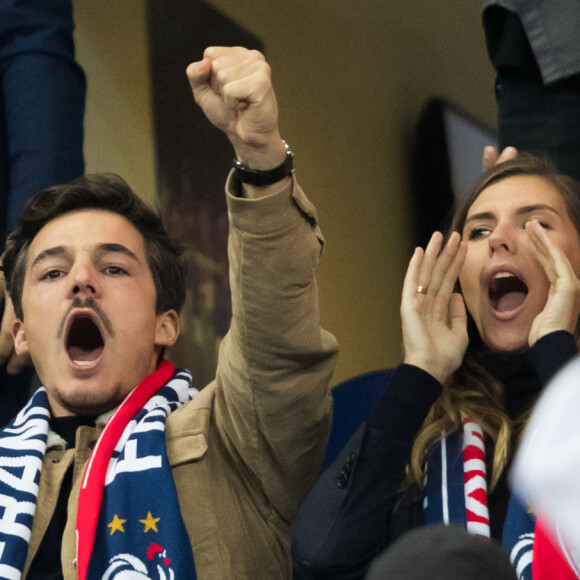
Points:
(167, 329)
(19, 337)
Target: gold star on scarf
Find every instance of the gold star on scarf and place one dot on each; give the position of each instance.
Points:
(116, 525)
(150, 522)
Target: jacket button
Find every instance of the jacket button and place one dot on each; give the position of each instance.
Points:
(55, 460)
(351, 457)
(342, 480)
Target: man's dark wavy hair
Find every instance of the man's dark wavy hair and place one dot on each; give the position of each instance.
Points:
(109, 192)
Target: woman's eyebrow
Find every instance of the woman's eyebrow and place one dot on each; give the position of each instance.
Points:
(484, 215)
(535, 207)
(488, 215)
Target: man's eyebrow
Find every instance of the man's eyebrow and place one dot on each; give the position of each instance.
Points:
(48, 253)
(101, 249)
(116, 248)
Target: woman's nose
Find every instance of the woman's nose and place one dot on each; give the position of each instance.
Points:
(502, 239)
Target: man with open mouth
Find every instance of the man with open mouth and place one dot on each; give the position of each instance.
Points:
(118, 466)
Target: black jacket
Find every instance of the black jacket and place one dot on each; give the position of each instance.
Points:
(356, 509)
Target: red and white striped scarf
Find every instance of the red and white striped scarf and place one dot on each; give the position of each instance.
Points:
(535, 551)
(474, 479)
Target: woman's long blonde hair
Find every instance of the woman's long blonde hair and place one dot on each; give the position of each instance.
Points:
(472, 390)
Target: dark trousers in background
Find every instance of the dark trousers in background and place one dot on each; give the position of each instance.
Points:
(541, 119)
(42, 104)
(42, 101)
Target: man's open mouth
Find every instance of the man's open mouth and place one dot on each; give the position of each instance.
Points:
(506, 292)
(84, 342)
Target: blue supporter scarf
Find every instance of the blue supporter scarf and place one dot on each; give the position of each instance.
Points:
(136, 528)
(22, 447)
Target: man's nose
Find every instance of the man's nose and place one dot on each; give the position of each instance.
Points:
(84, 281)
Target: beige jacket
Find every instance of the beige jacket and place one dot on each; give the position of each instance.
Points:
(247, 449)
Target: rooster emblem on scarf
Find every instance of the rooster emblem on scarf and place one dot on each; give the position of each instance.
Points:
(129, 567)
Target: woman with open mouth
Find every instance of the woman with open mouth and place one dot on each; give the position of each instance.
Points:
(488, 316)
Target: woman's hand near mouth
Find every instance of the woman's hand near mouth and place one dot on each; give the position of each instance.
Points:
(562, 308)
(433, 316)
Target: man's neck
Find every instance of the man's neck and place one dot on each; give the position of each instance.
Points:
(67, 427)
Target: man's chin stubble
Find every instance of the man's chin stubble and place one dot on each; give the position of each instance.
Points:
(85, 404)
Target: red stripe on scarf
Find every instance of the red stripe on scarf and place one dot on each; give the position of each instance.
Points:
(476, 499)
(479, 495)
(473, 452)
(473, 517)
(93, 481)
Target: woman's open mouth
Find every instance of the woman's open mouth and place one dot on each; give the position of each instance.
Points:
(506, 292)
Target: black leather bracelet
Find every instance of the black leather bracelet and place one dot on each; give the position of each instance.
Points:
(260, 178)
